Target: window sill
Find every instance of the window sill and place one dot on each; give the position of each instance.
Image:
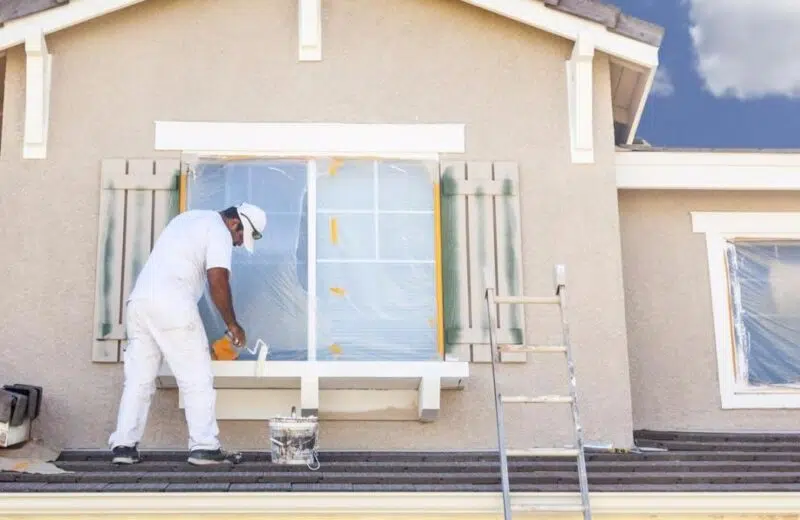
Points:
(333, 390)
(762, 398)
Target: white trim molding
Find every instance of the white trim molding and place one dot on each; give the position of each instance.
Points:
(385, 505)
(38, 73)
(310, 139)
(718, 228)
(580, 82)
(309, 30)
(720, 170)
(641, 93)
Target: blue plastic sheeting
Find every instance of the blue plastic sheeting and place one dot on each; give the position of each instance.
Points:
(375, 271)
(765, 303)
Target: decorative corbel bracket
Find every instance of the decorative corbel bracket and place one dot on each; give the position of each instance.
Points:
(580, 92)
(309, 36)
(38, 68)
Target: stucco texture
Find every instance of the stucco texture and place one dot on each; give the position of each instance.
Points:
(674, 378)
(383, 61)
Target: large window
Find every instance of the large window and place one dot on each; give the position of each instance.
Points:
(754, 275)
(346, 268)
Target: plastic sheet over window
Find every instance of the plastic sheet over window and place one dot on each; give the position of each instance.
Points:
(375, 261)
(373, 269)
(764, 283)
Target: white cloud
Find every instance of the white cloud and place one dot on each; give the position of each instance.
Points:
(747, 49)
(662, 83)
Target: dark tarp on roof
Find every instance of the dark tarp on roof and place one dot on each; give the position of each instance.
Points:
(606, 14)
(694, 462)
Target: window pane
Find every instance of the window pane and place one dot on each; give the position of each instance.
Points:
(765, 291)
(269, 286)
(406, 237)
(376, 312)
(345, 236)
(404, 186)
(345, 185)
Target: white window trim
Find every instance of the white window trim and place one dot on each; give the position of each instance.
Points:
(424, 141)
(336, 389)
(718, 227)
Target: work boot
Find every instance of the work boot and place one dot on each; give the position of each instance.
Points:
(218, 456)
(125, 455)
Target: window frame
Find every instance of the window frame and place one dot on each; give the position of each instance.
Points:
(718, 228)
(313, 213)
(305, 383)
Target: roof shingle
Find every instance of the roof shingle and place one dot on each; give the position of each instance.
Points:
(693, 462)
(13, 9)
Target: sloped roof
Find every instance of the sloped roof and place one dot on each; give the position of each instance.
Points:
(604, 13)
(689, 462)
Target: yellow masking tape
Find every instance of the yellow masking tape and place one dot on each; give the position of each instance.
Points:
(334, 230)
(335, 349)
(182, 195)
(338, 291)
(334, 166)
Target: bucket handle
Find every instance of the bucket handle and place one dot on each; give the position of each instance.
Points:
(315, 464)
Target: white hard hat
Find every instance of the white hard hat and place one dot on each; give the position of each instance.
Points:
(254, 221)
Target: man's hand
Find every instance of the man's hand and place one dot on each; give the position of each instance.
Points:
(237, 334)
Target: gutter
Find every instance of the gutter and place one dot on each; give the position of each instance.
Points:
(422, 505)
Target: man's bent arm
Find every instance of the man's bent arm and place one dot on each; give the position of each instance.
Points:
(218, 281)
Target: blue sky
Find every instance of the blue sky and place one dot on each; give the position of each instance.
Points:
(729, 74)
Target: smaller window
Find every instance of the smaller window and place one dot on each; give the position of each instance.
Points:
(754, 284)
(764, 286)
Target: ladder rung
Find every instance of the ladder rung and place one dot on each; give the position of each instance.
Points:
(556, 508)
(535, 349)
(543, 452)
(528, 300)
(545, 399)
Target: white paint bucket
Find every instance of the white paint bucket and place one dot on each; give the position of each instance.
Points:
(294, 440)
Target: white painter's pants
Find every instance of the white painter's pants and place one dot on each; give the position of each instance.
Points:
(173, 330)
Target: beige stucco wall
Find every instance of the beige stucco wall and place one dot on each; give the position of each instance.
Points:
(384, 61)
(674, 377)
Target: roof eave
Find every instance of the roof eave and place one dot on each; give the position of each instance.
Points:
(50, 21)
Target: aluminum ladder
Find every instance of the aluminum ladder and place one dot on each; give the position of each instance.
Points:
(577, 451)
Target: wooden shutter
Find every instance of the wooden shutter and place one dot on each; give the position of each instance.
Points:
(137, 199)
(481, 228)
